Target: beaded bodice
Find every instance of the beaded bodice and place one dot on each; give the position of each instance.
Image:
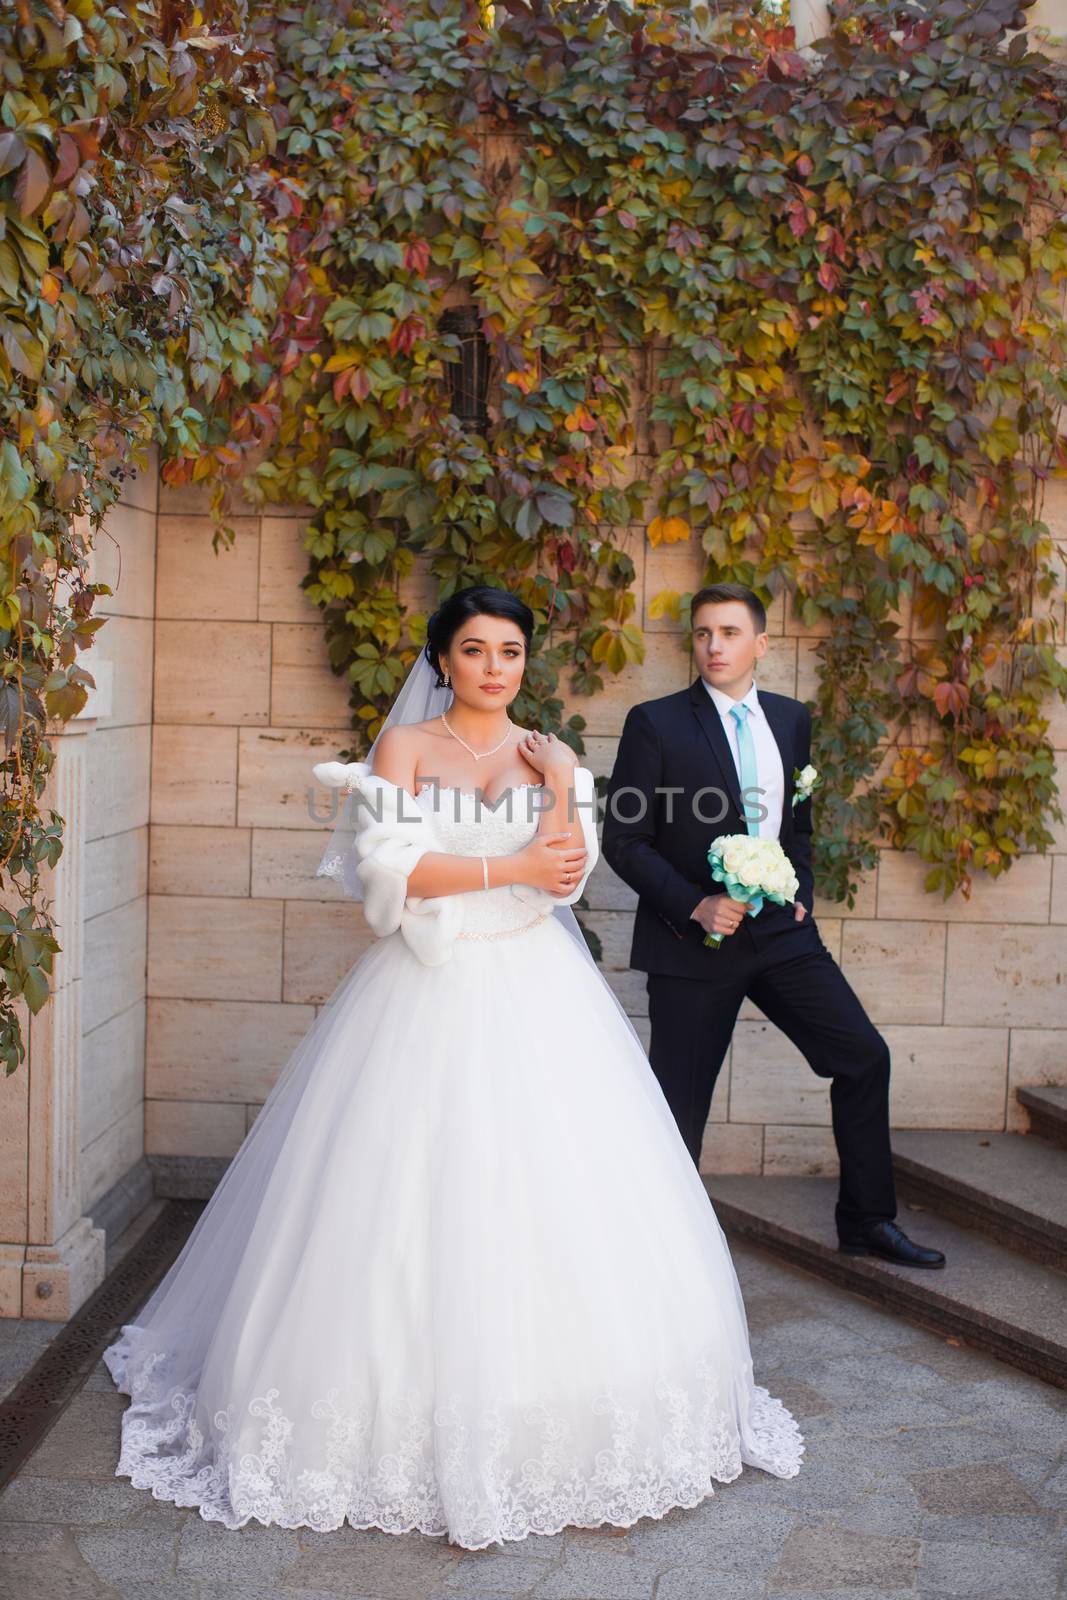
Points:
(469, 825)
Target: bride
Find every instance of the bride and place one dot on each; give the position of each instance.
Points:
(462, 1275)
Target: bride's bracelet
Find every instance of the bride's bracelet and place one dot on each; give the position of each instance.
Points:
(485, 873)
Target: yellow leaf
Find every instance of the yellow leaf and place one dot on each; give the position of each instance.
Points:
(342, 359)
(668, 530)
(664, 604)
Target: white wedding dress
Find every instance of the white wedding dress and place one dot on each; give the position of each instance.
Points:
(462, 1275)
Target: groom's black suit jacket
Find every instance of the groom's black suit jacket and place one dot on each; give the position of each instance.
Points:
(678, 741)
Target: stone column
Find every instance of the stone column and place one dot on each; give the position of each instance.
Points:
(51, 1257)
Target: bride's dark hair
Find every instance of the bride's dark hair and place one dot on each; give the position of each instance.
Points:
(480, 599)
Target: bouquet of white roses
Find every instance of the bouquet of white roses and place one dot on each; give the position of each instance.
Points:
(752, 869)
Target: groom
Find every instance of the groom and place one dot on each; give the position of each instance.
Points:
(682, 763)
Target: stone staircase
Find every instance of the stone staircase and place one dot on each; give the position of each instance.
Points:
(995, 1203)
(1047, 1110)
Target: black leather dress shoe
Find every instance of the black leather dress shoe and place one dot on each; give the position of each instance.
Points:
(884, 1238)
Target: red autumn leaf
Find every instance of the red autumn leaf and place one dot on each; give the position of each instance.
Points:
(404, 335)
(88, 135)
(69, 160)
(416, 256)
(798, 219)
(950, 698)
(907, 682)
(33, 182)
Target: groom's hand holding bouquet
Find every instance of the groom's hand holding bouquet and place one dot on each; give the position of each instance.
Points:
(752, 870)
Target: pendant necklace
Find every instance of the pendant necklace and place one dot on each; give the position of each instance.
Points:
(475, 753)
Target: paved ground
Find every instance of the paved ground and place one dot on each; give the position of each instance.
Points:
(931, 1471)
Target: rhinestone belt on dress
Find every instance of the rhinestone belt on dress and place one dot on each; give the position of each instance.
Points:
(506, 933)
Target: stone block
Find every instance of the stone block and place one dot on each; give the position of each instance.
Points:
(303, 690)
(731, 1147)
(277, 788)
(1059, 889)
(192, 1128)
(1005, 977)
(125, 643)
(790, 1152)
(808, 670)
(322, 944)
(283, 563)
(947, 1077)
(124, 557)
(199, 860)
(1019, 895)
(116, 869)
(284, 862)
(895, 968)
(118, 765)
(209, 947)
(215, 673)
(770, 1080)
(195, 581)
(220, 1050)
(109, 1156)
(115, 955)
(777, 672)
(194, 775)
(111, 1081)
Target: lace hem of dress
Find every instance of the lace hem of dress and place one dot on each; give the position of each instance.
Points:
(446, 1477)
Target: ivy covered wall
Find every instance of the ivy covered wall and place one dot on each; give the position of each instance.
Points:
(837, 281)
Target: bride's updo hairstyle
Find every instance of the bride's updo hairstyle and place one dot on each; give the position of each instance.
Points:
(479, 599)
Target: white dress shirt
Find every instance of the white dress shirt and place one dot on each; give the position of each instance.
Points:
(770, 773)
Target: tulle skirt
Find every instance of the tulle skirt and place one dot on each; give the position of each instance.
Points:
(461, 1276)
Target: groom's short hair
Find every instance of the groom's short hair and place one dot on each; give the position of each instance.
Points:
(718, 592)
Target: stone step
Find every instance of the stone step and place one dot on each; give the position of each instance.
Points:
(986, 1294)
(1010, 1186)
(1047, 1109)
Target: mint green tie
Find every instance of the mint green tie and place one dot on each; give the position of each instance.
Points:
(747, 747)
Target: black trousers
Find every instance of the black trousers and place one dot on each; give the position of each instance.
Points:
(784, 967)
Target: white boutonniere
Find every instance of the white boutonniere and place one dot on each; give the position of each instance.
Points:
(806, 779)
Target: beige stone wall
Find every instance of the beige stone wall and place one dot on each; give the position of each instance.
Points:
(111, 1111)
(244, 944)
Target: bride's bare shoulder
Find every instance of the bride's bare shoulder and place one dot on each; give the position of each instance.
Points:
(411, 735)
(399, 748)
